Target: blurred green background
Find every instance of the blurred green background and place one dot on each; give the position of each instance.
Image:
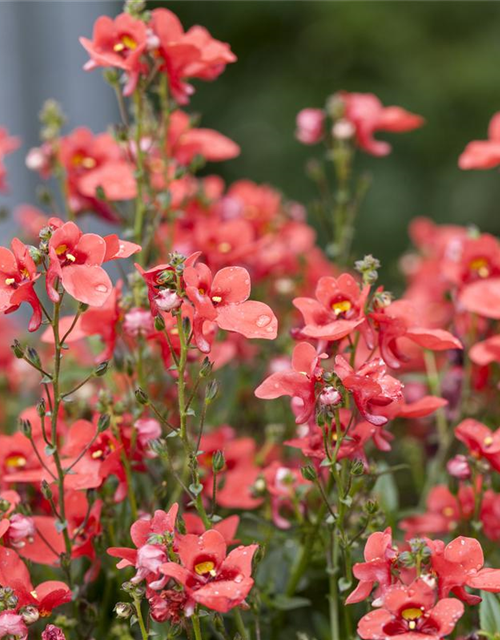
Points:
(438, 59)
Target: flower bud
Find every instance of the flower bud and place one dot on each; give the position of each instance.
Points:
(459, 468)
(141, 397)
(159, 323)
(218, 461)
(123, 610)
(29, 614)
(310, 126)
(25, 426)
(101, 369)
(309, 473)
(103, 422)
(51, 632)
(343, 129)
(168, 300)
(18, 349)
(21, 529)
(46, 490)
(41, 408)
(330, 397)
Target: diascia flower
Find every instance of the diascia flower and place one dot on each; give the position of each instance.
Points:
(483, 154)
(118, 43)
(91, 162)
(17, 277)
(76, 259)
(194, 54)
(368, 116)
(480, 440)
(371, 386)
(12, 625)
(8, 144)
(210, 576)
(298, 382)
(337, 310)
(410, 612)
(223, 298)
(14, 574)
(380, 556)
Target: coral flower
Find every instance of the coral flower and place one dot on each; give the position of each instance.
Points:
(299, 382)
(76, 259)
(370, 386)
(368, 115)
(17, 277)
(223, 299)
(337, 310)
(210, 577)
(483, 154)
(117, 43)
(409, 613)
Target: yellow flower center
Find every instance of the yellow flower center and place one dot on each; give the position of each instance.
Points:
(342, 306)
(488, 441)
(13, 462)
(411, 615)
(79, 160)
(448, 512)
(126, 42)
(216, 299)
(202, 568)
(224, 247)
(480, 266)
(9, 281)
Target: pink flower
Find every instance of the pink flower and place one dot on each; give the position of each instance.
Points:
(368, 115)
(21, 528)
(458, 467)
(51, 632)
(483, 154)
(310, 126)
(148, 429)
(12, 624)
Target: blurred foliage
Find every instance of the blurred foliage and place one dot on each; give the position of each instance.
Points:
(438, 59)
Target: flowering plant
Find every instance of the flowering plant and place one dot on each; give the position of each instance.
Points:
(237, 432)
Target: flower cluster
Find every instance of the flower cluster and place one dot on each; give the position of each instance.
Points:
(236, 407)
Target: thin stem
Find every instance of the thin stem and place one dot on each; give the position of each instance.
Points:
(140, 619)
(195, 621)
(240, 625)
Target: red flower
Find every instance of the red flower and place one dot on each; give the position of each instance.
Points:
(368, 115)
(76, 258)
(409, 613)
(337, 310)
(486, 352)
(379, 559)
(194, 54)
(210, 577)
(299, 382)
(8, 144)
(482, 297)
(223, 299)
(14, 574)
(17, 277)
(370, 386)
(480, 440)
(117, 43)
(483, 154)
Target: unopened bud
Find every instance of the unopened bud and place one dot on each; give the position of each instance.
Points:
(123, 610)
(46, 490)
(141, 397)
(159, 323)
(101, 369)
(18, 349)
(41, 408)
(330, 397)
(29, 614)
(103, 422)
(218, 461)
(309, 473)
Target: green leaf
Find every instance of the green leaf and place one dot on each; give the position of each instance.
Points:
(489, 613)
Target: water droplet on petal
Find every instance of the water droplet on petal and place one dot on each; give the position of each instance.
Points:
(238, 578)
(102, 288)
(263, 321)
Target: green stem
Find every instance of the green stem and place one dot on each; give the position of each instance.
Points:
(140, 619)
(140, 204)
(240, 625)
(195, 621)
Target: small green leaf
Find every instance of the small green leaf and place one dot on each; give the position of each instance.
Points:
(489, 613)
